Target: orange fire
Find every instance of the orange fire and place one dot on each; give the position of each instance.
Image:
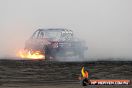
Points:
(29, 54)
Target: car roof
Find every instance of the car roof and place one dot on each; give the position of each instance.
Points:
(54, 29)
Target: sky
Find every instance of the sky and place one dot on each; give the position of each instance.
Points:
(105, 25)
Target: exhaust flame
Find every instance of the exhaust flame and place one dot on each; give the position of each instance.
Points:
(31, 54)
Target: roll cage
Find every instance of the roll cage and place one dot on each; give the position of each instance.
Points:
(54, 34)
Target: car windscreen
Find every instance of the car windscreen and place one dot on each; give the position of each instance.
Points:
(54, 35)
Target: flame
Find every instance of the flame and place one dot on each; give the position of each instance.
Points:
(84, 73)
(29, 54)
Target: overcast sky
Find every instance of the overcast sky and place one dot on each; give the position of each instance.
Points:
(106, 25)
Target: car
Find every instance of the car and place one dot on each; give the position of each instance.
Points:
(56, 42)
